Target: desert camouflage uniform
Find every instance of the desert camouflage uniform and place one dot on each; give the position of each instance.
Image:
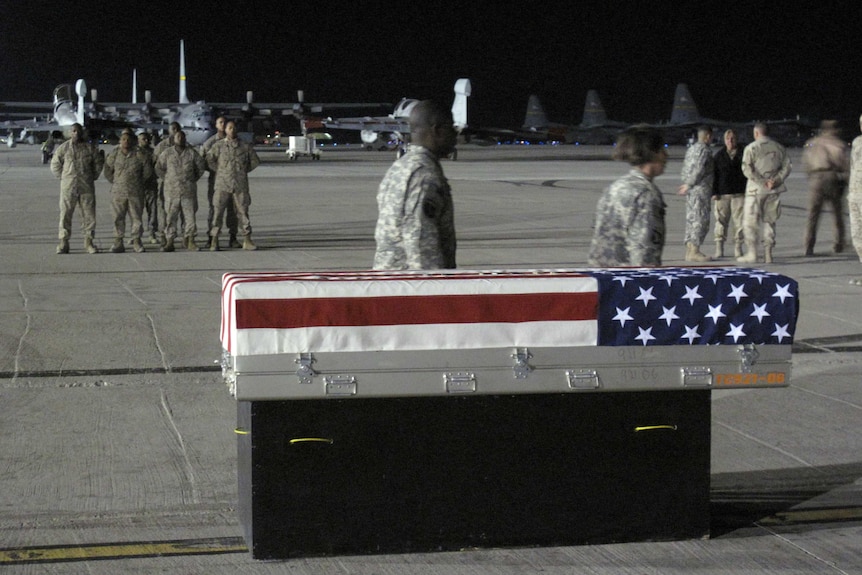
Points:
(127, 174)
(763, 159)
(728, 192)
(415, 222)
(231, 160)
(697, 173)
(826, 161)
(78, 166)
(230, 213)
(180, 169)
(854, 196)
(151, 190)
(629, 227)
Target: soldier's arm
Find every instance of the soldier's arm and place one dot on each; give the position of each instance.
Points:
(98, 161)
(57, 162)
(645, 235)
(253, 159)
(421, 227)
(109, 166)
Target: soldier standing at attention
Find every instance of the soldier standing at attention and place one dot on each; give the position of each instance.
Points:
(766, 165)
(78, 164)
(161, 207)
(728, 194)
(630, 228)
(232, 159)
(180, 167)
(127, 168)
(415, 223)
(826, 161)
(151, 187)
(698, 171)
(230, 211)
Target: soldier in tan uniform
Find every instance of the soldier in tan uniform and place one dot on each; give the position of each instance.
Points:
(151, 188)
(854, 195)
(78, 164)
(415, 223)
(127, 168)
(161, 207)
(827, 163)
(232, 159)
(180, 166)
(230, 209)
(766, 165)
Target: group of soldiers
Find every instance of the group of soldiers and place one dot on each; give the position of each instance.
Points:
(161, 181)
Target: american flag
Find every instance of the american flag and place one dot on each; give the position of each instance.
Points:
(295, 312)
(696, 306)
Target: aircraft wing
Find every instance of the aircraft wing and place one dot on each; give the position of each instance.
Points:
(31, 125)
(369, 123)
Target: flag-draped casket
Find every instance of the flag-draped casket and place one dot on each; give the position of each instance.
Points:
(416, 411)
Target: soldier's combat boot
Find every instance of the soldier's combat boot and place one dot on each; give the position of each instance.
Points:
(233, 243)
(767, 254)
(750, 256)
(737, 250)
(719, 249)
(117, 247)
(247, 244)
(137, 245)
(169, 245)
(693, 254)
(214, 247)
(190, 244)
(90, 246)
(63, 247)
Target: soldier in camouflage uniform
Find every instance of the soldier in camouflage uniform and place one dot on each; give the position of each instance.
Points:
(180, 167)
(232, 159)
(78, 164)
(127, 168)
(630, 228)
(230, 211)
(766, 165)
(854, 195)
(826, 161)
(161, 206)
(698, 170)
(415, 222)
(151, 187)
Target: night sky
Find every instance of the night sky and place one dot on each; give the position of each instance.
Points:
(741, 60)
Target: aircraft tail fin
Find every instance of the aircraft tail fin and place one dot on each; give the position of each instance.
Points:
(594, 112)
(134, 85)
(81, 91)
(535, 117)
(463, 89)
(184, 98)
(684, 109)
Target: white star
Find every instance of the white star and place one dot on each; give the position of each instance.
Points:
(782, 292)
(759, 276)
(646, 296)
(736, 332)
(713, 277)
(623, 316)
(760, 312)
(780, 332)
(737, 292)
(691, 334)
(622, 279)
(715, 313)
(668, 278)
(645, 335)
(691, 294)
(669, 314)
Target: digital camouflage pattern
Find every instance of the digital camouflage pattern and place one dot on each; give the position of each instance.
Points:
(630, 228)
(127, 173)
(415, 223)
(180, 169)
(854, 195)
(78, 166)
(698, 171)
(231, 160)
(763, 159)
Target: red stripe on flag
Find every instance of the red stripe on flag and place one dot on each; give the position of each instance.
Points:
(415, 310)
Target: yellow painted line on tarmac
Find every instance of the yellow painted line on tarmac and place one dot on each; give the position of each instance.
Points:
(102, 551)
(824, 515)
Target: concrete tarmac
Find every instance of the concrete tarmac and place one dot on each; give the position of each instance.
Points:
(117, 445)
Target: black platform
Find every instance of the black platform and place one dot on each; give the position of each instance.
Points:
(397, 475)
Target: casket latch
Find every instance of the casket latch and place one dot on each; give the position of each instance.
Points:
(304, 372)
(522, 368)
(748, 355)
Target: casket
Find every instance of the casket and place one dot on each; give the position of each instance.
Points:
(422, 411)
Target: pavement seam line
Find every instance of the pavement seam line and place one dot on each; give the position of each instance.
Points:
(783, 539)
(765, 444)
(24, 335)
(187, 465)
(158, 344)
